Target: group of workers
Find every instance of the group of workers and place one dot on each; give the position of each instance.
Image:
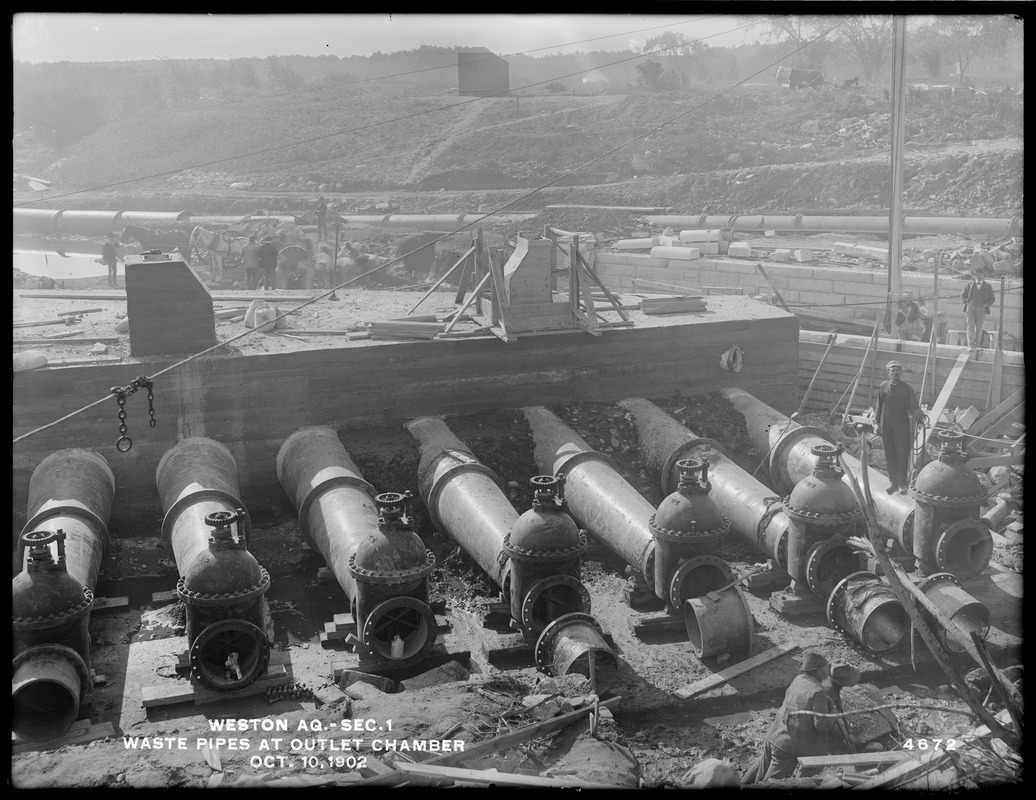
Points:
(913, 321)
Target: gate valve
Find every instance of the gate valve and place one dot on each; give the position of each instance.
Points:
(694, 477)
(827, 456)
(222, 537)
(547, 492)
(392, 507)
(41, 558)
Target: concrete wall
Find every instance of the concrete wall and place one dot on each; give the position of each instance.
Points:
(847, 354)
(252, 403)
(835, 290)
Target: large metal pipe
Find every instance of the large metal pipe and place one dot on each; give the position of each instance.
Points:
(990, 227)
(965, 551)
(221, 583)
(755, 512)
(533, 558)
(61, 547)
(89, 223)
(439, 223)
(43, 221)
(946, 593)
(382, 569)
(865, 608)
(598, 496)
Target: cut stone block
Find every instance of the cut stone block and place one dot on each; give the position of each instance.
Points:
(676, 253)
(637, 244)
(700, 235)
(781, 256)
(803, 255)
(449, 672)
(668, 241)
(739, 250)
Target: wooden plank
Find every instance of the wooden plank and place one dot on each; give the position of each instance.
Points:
(857, 761)
(56, 341)
(104, 604)
(492, 777)
(505, 741)
(994, 415)
(180, 692)
(696, 688)
(996, 379)
(72, 362)
(947, 388)
(1007, 460)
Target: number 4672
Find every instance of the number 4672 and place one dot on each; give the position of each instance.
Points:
(930, 744)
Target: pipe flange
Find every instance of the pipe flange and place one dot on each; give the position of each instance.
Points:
(86, 683)
(522, 554)
(405, 602)
(942, 545)
(545, 642)
(683, 452)
(773, 508)
(586, 455)
(778, 453)
(193, 598)
(817, 518)
(239, 626)
(839, 590)
(689, 537)
(676, 600)
(946, 501)
(938, 577)
(814, 559)
(338, 481)
(62, 617)
(390, 578)
(545, 584)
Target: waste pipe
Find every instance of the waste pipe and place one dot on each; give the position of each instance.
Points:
(43, 221)
(89, 223)
(989, 227)
(598, 497)
(533, 558)
(865, 608)
(440, 223)
(755, 513)
(62, 548)
(221, 583)
(381, 565)
(967, 548)
(946, 593)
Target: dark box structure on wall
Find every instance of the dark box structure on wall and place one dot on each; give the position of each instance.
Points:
(169, 308)
(482, 74)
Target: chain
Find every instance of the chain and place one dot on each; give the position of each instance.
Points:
(124, 443)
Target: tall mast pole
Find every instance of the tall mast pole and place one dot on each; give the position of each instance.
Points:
(895, 280)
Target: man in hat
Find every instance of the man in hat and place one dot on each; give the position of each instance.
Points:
(978, 298)
(322, 219)
(897, 411)
(840, 674)
(110, 257)
(268, 263)
(794, 735)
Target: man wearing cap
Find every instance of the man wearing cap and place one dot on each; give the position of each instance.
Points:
(978, 298)
(896, 413)
(792, 736)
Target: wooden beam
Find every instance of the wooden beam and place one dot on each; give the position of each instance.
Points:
(441, 280)
(996, 379)
(468, 302)
(48, 342)
(593, 276)
(947, 388)
(492, 777)
(505, 741)
(855, 760)
(994, 415)
(696, 688)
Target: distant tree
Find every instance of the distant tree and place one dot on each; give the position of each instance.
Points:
(654, 77)
(669, 43)
(242, 71)
(281, 73)
(869, 39)
(797, 31)
(557, 87)
(962, 37)
(930, 56)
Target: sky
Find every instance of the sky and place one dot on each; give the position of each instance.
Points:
(42, 37)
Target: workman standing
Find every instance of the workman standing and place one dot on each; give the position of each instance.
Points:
(250, 260)
(322, 220)
(978, 298)
(268, 263)
(796, 735)
(897, 411)
(110, 256)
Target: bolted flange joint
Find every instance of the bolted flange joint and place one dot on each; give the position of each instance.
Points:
(240, 596)
(62, 616)
(544, 556)
(388, 577)
(694, 534)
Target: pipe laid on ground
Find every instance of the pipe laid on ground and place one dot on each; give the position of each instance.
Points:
(990, 227)
(337, 515)
(437, 223)
(946, 593)
(790, 446)
(598, 496)
(71, 494)
(464, 500)
(755, 512)
(221, 583)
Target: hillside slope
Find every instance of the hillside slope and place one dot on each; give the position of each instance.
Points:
(756, 149)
